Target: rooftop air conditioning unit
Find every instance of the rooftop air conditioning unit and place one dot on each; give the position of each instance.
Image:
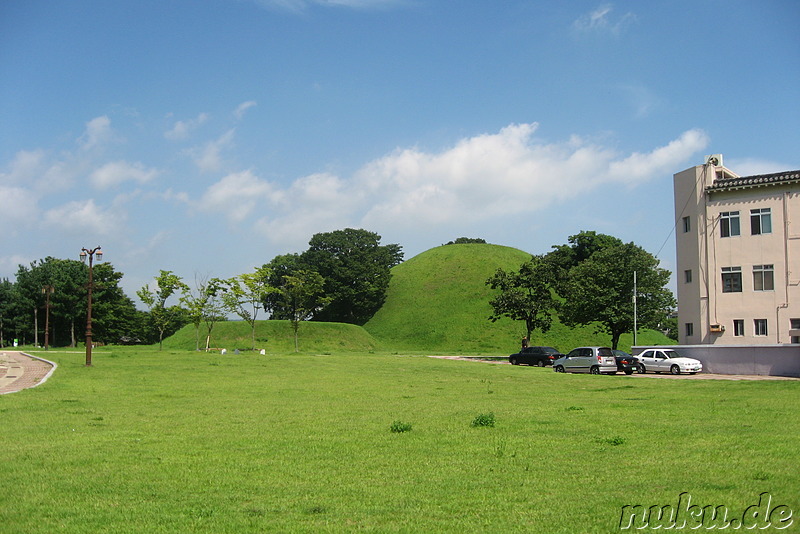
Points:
(717, 328)
(714, 159)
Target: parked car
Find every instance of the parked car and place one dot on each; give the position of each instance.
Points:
(625, 362)
(667, 361)
(594, 360)
(540, 356)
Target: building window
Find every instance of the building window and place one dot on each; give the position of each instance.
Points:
(794, 324)
(731, 279)
(738, 327)
(687, 224)
(689, 329)
(760, 327)
(729, 223)
(763, 278)
(687, 275)
(761, 221)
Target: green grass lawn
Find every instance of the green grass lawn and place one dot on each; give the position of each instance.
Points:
(180, 441)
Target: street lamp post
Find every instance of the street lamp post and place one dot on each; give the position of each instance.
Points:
(90, 254)
(47, 290)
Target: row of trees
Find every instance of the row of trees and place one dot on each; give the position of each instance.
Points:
(54, 291)
(343, 276)
(588, 281)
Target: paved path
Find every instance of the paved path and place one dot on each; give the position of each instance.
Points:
(19, 371)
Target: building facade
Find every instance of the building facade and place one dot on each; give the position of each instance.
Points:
(738, 256)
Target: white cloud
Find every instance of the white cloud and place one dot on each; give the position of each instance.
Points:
(17, 206)
(25, 168)
(182, 129)
(209, 157)
(98, 131)
(244, 106)
(599, 21)
(85, 218)
(478, 179)
(236, 195)
(117, 172)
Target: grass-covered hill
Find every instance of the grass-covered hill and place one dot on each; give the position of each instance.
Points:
(278, 337)
(438, 301)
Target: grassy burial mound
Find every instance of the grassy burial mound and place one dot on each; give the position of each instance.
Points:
(278, 337)
(438, 301)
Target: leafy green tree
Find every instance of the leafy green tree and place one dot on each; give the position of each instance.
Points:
(525, 295)
(303, 295)
(113, 312)
(203, 305)
(356, 269)
(280, 267)
(599, 290)
(245, 294)
(162, 317)
(467, 241)
(581, 247)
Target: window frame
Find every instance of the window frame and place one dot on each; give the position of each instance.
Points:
(763, 276)
(729, 224)
(688, 329)
(687, 224)
(758, 216)
(760, 327)
(731, 274)
(687, 276)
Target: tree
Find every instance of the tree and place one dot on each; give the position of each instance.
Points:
(599, 290)
(581, 247)
(244, 295)
(303, 295)
(280, 267)
(356, 269)
(524, 295)
(204, 305)
(167, 284)
(114, 313)
(467, 241)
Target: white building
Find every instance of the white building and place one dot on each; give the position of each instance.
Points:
(738, 256)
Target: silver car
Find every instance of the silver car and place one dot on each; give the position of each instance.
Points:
(594, 360)
(667, 361)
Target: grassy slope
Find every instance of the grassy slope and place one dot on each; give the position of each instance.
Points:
(278, 336)
(438, 301)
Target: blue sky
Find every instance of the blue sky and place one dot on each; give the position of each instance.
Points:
(208, 137)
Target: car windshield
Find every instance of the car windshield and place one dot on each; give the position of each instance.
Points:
(672, 354)
(550, 350)
(604, 352)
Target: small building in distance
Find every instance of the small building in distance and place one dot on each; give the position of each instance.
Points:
(738, 256)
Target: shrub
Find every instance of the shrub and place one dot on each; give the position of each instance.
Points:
(400, 426)
(484, 419)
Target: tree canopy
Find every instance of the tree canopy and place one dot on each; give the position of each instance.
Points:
(356, 270)
(595, 279)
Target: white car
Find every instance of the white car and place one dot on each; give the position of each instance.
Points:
(667, 361)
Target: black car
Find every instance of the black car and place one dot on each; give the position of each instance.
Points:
(625, 362)
(540, 356)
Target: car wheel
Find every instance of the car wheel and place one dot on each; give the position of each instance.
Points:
(541, 363)
(628, 371)
(559, 369)
(642, 370)
(675, 370)
(594, 370)
(513, 361)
